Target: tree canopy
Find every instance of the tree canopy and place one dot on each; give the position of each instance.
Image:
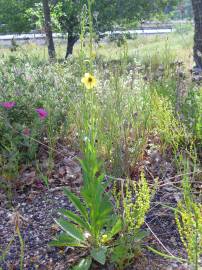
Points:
(14, 15)
(66, 15)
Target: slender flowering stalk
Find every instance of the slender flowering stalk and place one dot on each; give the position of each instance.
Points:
(42, 113)
(8, 105)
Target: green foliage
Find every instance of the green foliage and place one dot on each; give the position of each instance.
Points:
(96, 214)
(143, 9)
(99, 254)
(189, 221)
(84, 264)
(35, 16)
(134, 212)
(13, 16)
(183, 10)
(171, 131)
(15, 146)
(184, 28)
(132, 204)
(96, 225)
(21, 130)
(127, 248)
(122, 255)
(191, 110)
(22, 16)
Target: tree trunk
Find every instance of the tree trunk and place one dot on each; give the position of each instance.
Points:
(48, 29)
(71, 40)
(197, 9)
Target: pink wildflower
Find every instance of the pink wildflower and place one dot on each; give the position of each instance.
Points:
(8, 105)
(42, 113)
(26, 132)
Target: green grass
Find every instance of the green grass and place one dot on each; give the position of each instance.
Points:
(141, 47)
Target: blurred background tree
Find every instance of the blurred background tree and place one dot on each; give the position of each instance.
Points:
(13, 17)
(66, 14)
(23, 16)
(48, 28)
(197, 10)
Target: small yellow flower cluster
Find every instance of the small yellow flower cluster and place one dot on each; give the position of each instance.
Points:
(189, 223)
(142, 203)
(104, 238)
(135, 211)
(89, 81)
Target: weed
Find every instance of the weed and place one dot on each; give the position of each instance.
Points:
(189, 222)
(16, 220)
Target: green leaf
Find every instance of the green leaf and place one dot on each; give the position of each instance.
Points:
(84, 264)
(99, 254)
(77, 203)
(64, 240)
(70, 229)
(140, 235)
(75, 218)
(122, 255)
(120, 252)
(166, 255)
(116, 228)
(100, 179)
(106, 204)
(104, 212)
(170, 207)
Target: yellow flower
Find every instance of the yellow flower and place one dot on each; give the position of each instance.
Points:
(104, 238)
(89, 81)
(93, 55)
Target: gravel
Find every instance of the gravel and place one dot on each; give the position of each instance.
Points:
(37, 229)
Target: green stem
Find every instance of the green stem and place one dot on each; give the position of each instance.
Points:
(21, 248)
(2, 258)
(196, 243)
(91, 33)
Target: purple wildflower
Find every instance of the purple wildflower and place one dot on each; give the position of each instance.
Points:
(8, 105)
(42, 113)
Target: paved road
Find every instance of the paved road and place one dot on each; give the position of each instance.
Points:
(5, 40)
(36, 36)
